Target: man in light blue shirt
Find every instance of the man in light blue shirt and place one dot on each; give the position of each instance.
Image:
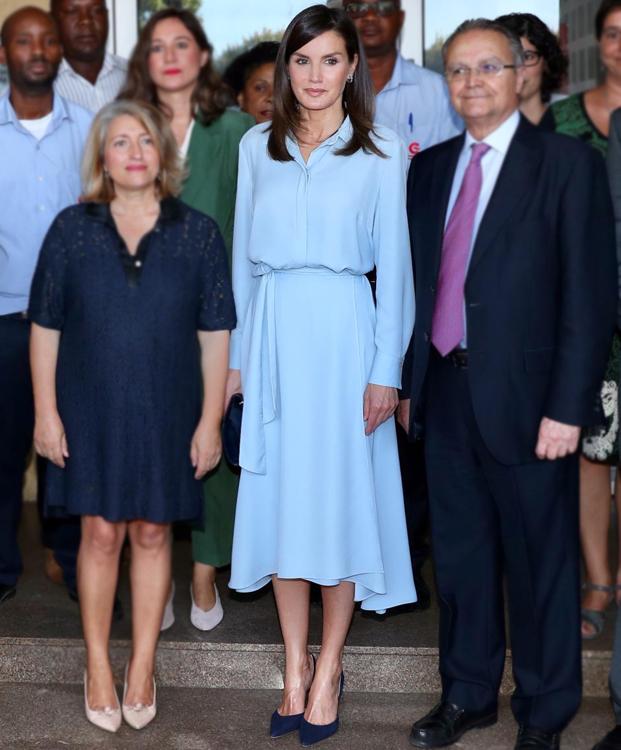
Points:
(42, 137)
(412, 101)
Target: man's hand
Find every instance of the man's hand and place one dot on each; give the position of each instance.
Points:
(403, 414)
(556, 440)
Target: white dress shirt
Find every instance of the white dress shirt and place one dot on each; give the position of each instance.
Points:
(75, 88)
(491, 164)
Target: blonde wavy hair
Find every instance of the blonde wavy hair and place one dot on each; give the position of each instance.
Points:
(98, 187)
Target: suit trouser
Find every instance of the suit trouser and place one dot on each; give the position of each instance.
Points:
(415, 496)
(490, 520)
(16, 427)
(16, 423)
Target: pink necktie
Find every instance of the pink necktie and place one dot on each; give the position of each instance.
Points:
(447, 327)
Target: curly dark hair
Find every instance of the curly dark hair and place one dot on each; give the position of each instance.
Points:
(211, 96)
(243, 66)
(546, 43)
(605, 8)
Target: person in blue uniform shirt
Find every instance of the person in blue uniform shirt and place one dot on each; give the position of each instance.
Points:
(410, 100)
(413, 102)
(41, 141)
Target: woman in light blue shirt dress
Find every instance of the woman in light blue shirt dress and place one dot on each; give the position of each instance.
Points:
(320, 203)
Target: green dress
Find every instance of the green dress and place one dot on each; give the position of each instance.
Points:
(569, 116)
(211, 187)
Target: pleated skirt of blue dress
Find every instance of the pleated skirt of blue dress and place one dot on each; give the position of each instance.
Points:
(318, 499)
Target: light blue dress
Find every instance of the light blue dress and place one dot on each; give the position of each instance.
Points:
(318, 499)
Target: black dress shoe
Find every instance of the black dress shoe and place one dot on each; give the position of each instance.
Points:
(446, 723)
(536, 739)
(612, 741)
(7, 592)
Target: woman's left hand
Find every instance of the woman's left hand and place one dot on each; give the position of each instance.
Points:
(380, 403)
(206, 448)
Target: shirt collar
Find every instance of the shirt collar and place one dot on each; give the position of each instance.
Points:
(109, 64)
(404, 72)
(170, 210)
(500, 139)
(60, 111)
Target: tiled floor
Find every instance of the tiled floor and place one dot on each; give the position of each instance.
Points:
(51, 717)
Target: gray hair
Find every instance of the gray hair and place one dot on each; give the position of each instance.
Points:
(484, 24)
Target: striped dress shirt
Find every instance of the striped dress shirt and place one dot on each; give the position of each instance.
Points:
(77, 89)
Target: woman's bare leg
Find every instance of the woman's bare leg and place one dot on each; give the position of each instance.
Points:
(98, 567)
(293, 603)
(338, 609)
(594, 526)
(150, 585)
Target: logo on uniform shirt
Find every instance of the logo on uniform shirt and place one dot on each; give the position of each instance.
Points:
(413, 149)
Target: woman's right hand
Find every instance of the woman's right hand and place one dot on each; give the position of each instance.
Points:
(233, 386)
(50, 440)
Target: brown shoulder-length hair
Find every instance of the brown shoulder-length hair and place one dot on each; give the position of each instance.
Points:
(358, 98)
(210, 97)
(98, 187)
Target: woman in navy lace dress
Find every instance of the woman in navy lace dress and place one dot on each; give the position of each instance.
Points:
(131, 309)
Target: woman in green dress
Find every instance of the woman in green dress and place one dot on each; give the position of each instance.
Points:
(171, 67)
(587, 116)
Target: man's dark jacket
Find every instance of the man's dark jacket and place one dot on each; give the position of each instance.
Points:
(540, 292)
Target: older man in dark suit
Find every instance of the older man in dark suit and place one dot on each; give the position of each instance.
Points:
(513, 245)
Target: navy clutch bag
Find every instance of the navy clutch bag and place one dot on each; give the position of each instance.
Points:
(231, 429)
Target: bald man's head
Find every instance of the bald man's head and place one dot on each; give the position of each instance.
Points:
(31, 49)
(18, 15)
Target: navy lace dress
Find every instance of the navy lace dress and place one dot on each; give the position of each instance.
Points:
(128, 378)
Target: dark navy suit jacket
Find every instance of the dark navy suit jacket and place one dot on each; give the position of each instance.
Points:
(540, 292)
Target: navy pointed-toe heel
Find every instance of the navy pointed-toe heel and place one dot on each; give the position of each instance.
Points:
(311, 734)
(281, 725)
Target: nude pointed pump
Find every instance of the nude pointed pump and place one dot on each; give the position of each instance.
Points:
(108, 718)
(139, 715)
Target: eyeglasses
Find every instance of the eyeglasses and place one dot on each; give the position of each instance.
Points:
(531, 57)
(486, 69)
(381, 7)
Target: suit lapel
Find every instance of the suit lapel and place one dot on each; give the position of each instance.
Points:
(515, 181)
